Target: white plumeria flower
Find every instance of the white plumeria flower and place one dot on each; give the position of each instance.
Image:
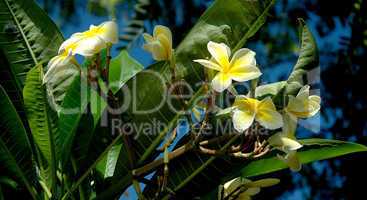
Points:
(241, 67)
(56, 63)
(246, 110)
(284, 143)
(245, 188)
(93, 40)
(289, 146)
(303, 105)
(160, 44)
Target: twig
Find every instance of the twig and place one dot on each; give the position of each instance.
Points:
(169, 141)
(156, 163)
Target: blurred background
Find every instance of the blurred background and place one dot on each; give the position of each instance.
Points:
(340, 28)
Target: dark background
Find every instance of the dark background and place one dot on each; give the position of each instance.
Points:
(340, 28)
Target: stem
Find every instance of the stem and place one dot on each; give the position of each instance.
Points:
(146, 169)
(138, 189)
(172, 63)
(202, 167)
(158, 139)
(80, 188)
(108, 60)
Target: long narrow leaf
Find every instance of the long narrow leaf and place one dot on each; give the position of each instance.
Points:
(15, 149)
(43, 122)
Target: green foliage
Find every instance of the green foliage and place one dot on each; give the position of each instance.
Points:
(122, 68)
(15, 148)
(28, 37)
(43, 122)
(73, 106)
(79, 158)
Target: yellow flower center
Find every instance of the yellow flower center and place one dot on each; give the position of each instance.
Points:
(94, 31)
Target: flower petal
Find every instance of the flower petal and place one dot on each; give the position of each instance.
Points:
(157, 50)
(266, 103)
(89, 46)
(315, 99)
(242, 120)
(244, 196)
(71, 42)
(54, 64)
(303, 108)
(167, 45)
(221, 81)
(220, 53)
(159, 29)
(280, 141)
(209, 64)
(244, 73)
(313, 105)
(295, 105)
(267, 115)
(292, 160)
(148, 38)
(243, 57)
(303, 93)
(108, 31)
(244, 103)
(266, 182)
(252, 191)
(289, 125)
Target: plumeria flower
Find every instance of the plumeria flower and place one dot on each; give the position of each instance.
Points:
(91, 41)
(160, 44)
(246, 110)
(241, 67)
(289, 146)
(241, 188)
(303, 105)
(57, 63)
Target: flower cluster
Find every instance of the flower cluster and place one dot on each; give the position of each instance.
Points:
(86, 44)
(241, 67)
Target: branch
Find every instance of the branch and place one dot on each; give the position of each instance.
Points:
(146, 169)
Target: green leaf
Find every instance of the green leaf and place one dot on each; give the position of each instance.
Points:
(107, 166)
(313, 150)
(122, 68)
(15, 149)
(9, 182)
(77, 123)
(73, 106)
(308, 58)
(43, 122)
(28, 37)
